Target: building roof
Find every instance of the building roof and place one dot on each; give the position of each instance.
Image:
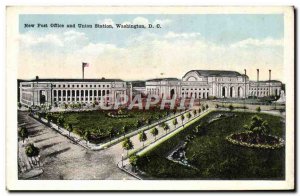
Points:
(265, 81)
(162, 79)
(215, 73)
(138, 83)
(72, 80)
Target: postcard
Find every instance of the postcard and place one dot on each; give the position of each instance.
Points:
(150, 98)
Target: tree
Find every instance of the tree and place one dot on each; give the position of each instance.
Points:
(258, 126)
(182, 118)
(86, 135)
(23, 133)
(127, 144)
(125, 130)
(70, 128)
(19, 105)
(30, 110)
(154, 132)
(60, 121)
(188, 115)
(133, 160)
(166, 128)
(194, 112)
(258, 109)
(142, 137)
(48, 117)
(138, 123)
(31, 150)
(199, 110)
(66, 106)
(111, 133)
(206, 107)
(175, 122)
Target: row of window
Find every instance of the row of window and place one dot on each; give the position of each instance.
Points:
(78, 99)
(195, 89)
(80, 93)
(194, 95)
(82, 86)
(259, 88)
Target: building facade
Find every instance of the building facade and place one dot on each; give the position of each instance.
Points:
(50, 91)
(206, 84)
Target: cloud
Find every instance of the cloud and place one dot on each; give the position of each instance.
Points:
(107, 21)
(149, 54)
(250, 42)
(171, 35)
(162, 22)
(66, 41)
(29, 40)
(140, 20)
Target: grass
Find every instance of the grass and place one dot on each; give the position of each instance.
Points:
(99, 123)
(215, 158)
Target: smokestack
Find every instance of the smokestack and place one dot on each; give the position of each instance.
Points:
(36, 77)
(257, 83)
(269, 82)
(245, 86)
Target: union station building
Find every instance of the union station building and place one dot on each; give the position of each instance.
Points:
(204, 84)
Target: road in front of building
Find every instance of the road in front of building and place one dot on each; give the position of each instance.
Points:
(62, 159)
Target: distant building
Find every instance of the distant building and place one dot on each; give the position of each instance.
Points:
(212, 83)
(49, 91)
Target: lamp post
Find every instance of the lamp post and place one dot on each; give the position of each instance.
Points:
(122, 160)
(245, 89)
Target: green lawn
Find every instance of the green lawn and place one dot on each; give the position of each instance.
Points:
(215, 158)
(99, 123)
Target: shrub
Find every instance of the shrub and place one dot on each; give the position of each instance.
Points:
(258, 109)
(32, 151)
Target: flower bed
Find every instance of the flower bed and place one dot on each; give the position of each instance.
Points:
(247, 139)
(118, 115)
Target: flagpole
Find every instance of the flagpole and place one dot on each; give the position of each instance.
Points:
(82, 71)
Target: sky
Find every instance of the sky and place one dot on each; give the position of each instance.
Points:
(184, 42)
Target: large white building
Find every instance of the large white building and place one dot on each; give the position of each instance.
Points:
(49, 91)
(197, 84)
(204, 84)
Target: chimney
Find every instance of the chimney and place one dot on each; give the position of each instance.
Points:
(269, 82)
(257, 83)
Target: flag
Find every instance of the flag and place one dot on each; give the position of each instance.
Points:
(85, 65)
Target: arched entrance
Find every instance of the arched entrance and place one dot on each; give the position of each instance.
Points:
(42, 97)
(232, 93)
(224, 91)
(240, 91)
(172, 92)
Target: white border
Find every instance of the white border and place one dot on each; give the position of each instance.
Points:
(11, 96)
